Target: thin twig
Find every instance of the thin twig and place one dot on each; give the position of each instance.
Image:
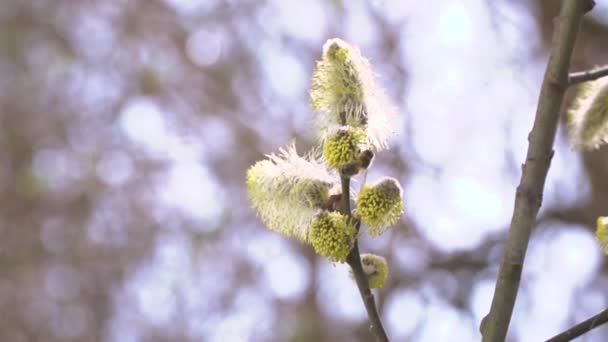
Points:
(587, 75)
(529, 193)
(354, 261)
(581, 328)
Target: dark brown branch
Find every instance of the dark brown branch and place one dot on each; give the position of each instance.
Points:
(587, 75)
(354, 261)
(581, 328)
(529, 193)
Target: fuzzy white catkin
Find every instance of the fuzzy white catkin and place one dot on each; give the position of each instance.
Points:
(588, 116)
(344, 92)
(287, 190)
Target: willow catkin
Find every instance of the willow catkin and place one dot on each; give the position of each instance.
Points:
(588, 116)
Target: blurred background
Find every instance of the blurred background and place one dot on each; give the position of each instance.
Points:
(127, 126)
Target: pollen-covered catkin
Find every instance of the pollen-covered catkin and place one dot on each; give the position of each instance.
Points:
(343, 146)
(332, 236)
(380, 205)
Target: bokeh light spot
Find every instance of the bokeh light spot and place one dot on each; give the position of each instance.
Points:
(193, 190)
(403, 313)
(115, 167)
(204, 47)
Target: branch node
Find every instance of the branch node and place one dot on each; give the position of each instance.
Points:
(529, 196)
(558, 82)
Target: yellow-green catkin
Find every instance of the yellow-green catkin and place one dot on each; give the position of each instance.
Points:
(343, 146)
(337, 88)
(380, 205)
(375, 269)
(601, 233)
(343, 92)
(332, 236)
(287, 191)
(588, 117)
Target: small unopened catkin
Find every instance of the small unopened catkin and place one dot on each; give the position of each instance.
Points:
(375, 269)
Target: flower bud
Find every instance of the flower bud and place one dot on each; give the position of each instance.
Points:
(365, 158)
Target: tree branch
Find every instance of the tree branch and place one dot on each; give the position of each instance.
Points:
(354, 261)
(581, 328)
(587, 75)
(528, 196)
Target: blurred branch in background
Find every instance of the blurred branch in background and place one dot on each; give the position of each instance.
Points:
(581, 328)
(588, 75)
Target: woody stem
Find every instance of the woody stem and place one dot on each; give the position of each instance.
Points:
(354, 261)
